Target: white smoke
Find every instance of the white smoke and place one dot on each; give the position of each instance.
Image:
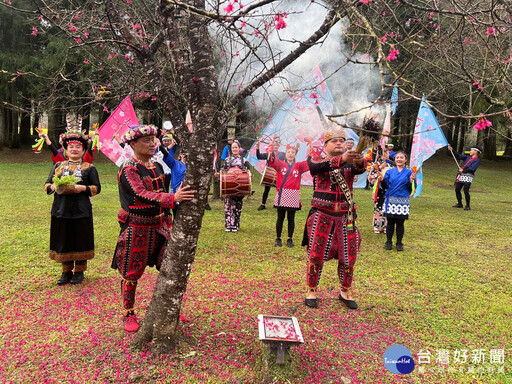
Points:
(354, 86)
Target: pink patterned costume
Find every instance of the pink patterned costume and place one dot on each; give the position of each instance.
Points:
(287, 199)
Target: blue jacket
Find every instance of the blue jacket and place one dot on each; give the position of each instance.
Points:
(178, 169)
(397, 184)
(226, 152)
(471, 166)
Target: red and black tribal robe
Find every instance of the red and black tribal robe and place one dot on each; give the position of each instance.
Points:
(331, 231)
(145, 223)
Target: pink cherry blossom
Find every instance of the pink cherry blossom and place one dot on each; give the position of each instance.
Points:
(392, 55)
(229, 8)
(482, 124)
(280, 23)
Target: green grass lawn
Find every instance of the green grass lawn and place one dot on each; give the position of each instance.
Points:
(449, 291)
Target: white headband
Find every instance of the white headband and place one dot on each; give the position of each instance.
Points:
(476, 149)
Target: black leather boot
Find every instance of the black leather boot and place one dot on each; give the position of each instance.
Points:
(78, 277)
(65, 278)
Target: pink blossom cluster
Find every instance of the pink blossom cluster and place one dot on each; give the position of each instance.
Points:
(482, 124)
(280, 23)
(230, 7)
(393, 54)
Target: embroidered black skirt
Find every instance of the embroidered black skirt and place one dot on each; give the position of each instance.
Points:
(71, 239)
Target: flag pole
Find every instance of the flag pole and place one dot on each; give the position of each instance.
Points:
(454, 158)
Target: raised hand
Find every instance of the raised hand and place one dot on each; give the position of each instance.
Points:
(353, 157)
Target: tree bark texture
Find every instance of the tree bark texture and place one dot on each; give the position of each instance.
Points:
(490, 144)
(192, 54)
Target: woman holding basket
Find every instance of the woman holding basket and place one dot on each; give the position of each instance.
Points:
(74, 182)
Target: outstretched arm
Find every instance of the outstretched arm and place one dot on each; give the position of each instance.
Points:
(336, 162)
(130, 179)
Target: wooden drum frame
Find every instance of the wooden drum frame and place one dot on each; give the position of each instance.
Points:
(269, 176)
(235, 183)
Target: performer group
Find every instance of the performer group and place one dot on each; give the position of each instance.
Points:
(150, 183)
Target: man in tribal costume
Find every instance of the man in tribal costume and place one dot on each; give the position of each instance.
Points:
(331, 231)
(144, 216)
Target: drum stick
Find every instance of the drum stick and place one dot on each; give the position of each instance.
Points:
(272, 143)
(310, 145)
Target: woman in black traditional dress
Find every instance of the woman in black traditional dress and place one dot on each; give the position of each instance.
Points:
(71, 231)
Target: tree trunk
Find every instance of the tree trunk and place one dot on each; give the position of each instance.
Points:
(55, 127)
(11, 120)
(480, 140)
(14, 137)
(407, 134)
(462, 136)
(159, 325)
(85, 112)
(455, 133)
(36, 119)
(162, 317)
(25, 137)
(508, 143)
(3, 126)
(394, 129)
(490, 144)
(400, 131)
